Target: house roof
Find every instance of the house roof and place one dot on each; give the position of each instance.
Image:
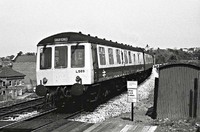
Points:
(7, 72)
(25, 58)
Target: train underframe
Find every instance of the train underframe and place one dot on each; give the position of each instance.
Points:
(94, 94)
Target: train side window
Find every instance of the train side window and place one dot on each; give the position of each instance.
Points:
(102, 56)
(45, 58)
(129, 56)
(118, 56)
(134, 58)
(110, 54)
(122, 54)
(61, 57)
(138, 58)
(77, 56)
(147, 59)
(126, 57)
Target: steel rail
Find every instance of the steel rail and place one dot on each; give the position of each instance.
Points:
(29, 118)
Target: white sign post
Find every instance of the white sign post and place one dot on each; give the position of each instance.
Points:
(132, 95)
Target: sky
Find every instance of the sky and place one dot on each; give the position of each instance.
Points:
(158, 23)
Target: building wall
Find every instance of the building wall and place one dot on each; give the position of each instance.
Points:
(27, 68)
(10, 93)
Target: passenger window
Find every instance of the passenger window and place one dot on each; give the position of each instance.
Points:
(61, 57)
(45, 58)
(110, 54)
(122, 54)
(129, 56)
(138, 58)
(102, 56)
(118, 56)
(126, 57)
(77, 56)
(134, 58)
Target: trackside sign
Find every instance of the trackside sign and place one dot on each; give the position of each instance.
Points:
(132, 91)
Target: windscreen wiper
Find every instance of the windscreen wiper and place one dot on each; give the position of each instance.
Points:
(75, 48)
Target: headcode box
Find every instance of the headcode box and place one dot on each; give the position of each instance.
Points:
(132, 91)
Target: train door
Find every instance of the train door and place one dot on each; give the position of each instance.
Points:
(95, 62)
(144, 60)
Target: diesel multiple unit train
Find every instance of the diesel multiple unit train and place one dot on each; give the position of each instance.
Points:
(72, 65)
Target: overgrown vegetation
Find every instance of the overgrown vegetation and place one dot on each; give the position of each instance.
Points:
(176, 55)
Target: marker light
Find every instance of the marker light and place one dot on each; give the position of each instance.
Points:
(45, 80)
(78, 80)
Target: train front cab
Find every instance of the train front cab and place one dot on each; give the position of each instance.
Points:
(64, 66)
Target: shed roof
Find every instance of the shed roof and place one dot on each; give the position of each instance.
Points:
(179, 65)
(7, 72)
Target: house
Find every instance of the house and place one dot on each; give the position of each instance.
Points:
(11, 83)
(26, 64)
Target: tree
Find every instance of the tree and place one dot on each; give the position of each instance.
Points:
(12, 56)
(197, 54)
(172, 58)
(160, 59)
(20, 53)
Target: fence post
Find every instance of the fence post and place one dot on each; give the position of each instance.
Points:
(154, 116)
(190, 103)
(195, 97)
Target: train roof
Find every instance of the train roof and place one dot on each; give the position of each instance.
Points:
(79, 37)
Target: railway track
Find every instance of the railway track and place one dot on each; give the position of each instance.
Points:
(15, 113)
(44, 121)
(4, 111)
(6, 124)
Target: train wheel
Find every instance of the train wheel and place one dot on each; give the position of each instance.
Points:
(104, 95)
(92, 97)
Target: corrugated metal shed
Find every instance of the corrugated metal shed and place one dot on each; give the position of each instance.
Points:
(178, 92)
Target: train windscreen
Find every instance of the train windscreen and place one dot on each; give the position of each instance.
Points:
(61, 55)
(45, 58)
(77, 56)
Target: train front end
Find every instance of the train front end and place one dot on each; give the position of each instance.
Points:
(64, 69)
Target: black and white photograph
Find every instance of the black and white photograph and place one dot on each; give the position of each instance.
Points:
(100, 66)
